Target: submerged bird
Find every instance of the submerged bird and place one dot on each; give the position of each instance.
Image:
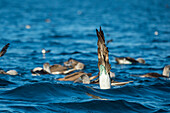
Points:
(72, 63)
(4, 49)
(129, 60)
(103, 63)
(77, 77)
(165, 73)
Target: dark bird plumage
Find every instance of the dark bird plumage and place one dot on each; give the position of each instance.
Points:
(4, 50)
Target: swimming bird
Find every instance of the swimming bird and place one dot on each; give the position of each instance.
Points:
(4, 50)
(59, 69)
(44, 52)
(55, 69)
(129, 60)
(165, 73)
(71, 63)
(41, 71)
(77, 77)
(10, 72)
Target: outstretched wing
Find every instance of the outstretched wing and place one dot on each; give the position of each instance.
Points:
(103, 57)
(4, 49)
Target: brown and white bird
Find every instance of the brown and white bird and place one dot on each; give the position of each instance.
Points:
(165, 73)
(10, 72)
(71, 63)
(41, 71)
(77, 77)
(55, 69)
(103, 62)
(59, 69)
(129, 60)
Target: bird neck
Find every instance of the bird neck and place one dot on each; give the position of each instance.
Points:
(47, 69)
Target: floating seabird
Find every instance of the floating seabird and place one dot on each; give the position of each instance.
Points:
(10, 72)
(59, 69)
(165, 73)
(71, 63)
(77, 77)
(55, 69)
(129, 60)
(44, 52)
(41, 71)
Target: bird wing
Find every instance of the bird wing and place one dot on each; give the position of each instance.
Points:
(57, 67)
(131, 59)
(103, 57)
(153, 75)
(4, 49)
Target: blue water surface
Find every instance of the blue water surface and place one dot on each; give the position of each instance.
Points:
(68, 28)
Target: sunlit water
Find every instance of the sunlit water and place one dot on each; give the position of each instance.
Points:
(67, 27)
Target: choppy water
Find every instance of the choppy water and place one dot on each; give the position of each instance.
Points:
(71, 33)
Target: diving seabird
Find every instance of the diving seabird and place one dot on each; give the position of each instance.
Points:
(103, 63)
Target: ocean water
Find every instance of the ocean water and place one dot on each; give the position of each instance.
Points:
(68, 28)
